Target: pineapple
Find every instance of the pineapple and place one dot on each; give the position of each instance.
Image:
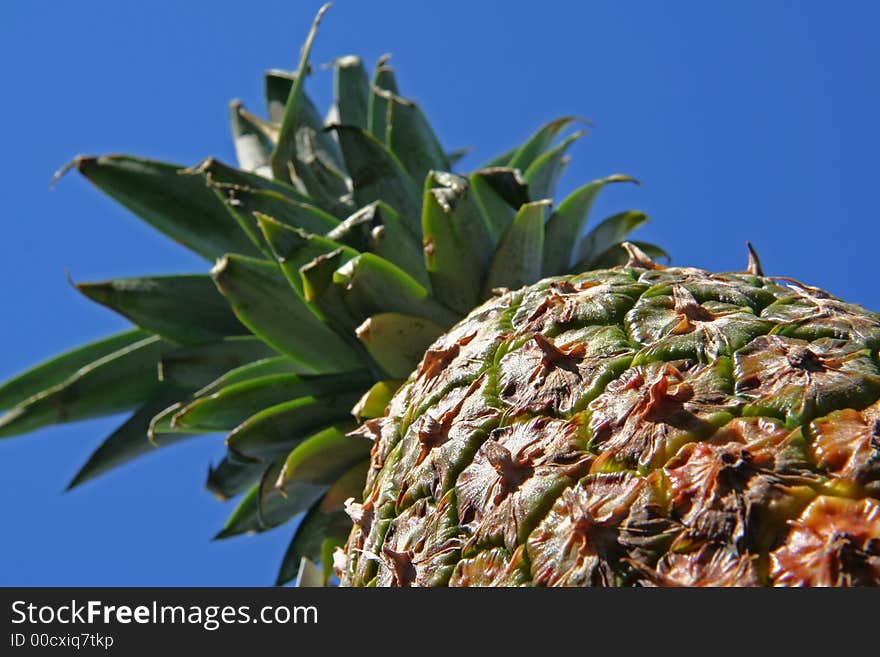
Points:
(341, 249)
(446, 382)
(639, 425)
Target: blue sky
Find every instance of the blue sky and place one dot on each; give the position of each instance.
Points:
(751, 120)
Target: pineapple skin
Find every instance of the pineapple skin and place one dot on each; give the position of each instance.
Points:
(633, 426)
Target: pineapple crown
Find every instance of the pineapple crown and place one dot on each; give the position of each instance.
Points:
(343, 248)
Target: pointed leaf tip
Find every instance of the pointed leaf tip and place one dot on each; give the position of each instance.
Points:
(351, 91)
(543, 174)
(73, 164)
(754, 263)
(540, 141)
(186, 309)
(299, 111)
(253, 139)
(638, 258)
(129, 440)
(174, 200)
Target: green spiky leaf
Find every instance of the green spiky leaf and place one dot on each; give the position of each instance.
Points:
(224, 177)
(129, 440)
(412, 140)
(499, 192)
(543, 174)
(184, 309)
(375, 400)
(117, 382)
(62, 367)
(230, 477)
(280, 428)
(264, 302)
(397, 342)
(539, 142)
(566, 224)
(226, 408)
(519, 256)
(377, 228)
(265, 506)
(171, 199)
(326, 297)
(277, 86)
(198, 365)
(276, 499)
(458, 155)
(383, 80)
(377, 175)
(607, 234)
(295, 248)
(325, 525)
(374, 285)
(351, 91)
(301, 121)
(458, 243)
(318, 175)
(249, 202)
(252, 138)
(323, 458)
(253, 370)
(308, 542)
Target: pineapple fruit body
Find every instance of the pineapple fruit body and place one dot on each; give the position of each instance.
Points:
(632, 426)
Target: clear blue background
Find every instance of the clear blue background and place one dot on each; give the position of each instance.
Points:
(749, 120)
